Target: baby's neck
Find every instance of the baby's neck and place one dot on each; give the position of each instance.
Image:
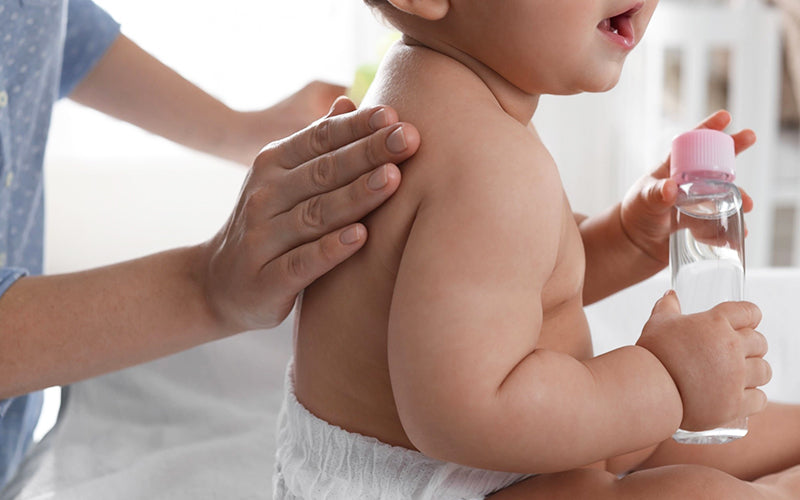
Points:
(515, 102)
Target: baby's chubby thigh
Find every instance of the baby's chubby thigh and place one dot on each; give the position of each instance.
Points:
(668, 482)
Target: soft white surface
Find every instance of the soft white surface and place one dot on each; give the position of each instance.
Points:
(198, 425)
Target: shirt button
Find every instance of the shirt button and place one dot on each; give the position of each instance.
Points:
(3, 99)
(9, 179)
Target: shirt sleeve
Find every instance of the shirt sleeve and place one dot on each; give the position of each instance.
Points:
(8, 276)
(90, 32)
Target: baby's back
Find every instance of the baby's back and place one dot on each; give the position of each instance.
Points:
(341, 363)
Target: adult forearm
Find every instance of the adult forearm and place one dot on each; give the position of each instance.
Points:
(613, 261)
(59, 329)
(131, 85)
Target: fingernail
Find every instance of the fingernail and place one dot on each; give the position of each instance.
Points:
(378, 179)
(378, 120)
(396, 142)
(350, 235)
(333, 107)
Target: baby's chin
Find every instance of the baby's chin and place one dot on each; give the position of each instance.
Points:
(601, 81)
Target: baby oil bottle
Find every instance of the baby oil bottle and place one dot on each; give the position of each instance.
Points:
(707, 241)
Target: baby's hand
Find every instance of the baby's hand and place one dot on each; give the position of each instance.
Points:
(714, 357)
(646, 211)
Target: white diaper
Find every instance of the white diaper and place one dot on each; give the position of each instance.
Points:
(319, 461)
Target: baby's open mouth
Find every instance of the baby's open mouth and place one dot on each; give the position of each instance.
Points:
(620, 26)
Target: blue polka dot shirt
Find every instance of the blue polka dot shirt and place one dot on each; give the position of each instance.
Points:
(46, 48)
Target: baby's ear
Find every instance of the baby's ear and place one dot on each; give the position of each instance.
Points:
(432, 10)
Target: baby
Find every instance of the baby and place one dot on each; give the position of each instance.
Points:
(451, 357)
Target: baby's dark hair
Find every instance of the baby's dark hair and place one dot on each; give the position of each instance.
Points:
(375, 3)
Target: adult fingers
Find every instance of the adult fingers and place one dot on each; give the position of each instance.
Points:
(753, 401)
(329, 133)
(341, 106)
(740, 314)
(323, 213)
(757, 372)
(332, 170)
(295, 270)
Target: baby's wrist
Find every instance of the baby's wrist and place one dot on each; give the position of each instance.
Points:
(627, 235)
(666, 382)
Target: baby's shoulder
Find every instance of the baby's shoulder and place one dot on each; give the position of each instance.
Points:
(461, 123)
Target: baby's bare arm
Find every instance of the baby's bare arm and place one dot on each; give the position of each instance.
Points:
(471, 382)
(613, 262)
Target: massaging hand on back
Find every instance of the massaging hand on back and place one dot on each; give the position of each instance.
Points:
(293, 221)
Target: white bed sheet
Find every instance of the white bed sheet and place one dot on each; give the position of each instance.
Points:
(199, 425)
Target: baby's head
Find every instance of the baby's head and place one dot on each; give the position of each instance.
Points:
(540, 46)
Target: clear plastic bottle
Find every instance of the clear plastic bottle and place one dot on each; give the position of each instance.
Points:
(707, 242)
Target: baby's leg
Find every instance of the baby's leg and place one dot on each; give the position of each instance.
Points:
(669, 483)
(772, 444)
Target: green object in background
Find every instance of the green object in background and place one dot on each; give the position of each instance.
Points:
(361, 82)
(365, 73)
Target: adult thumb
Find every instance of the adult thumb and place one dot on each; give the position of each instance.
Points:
(668, 304)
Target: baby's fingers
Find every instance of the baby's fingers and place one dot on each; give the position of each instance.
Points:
(747, 201)
(721, 119)
(740, 315)
(743, 139)
(716, 121)
(754, 343)
(753, 401)
(757, 373)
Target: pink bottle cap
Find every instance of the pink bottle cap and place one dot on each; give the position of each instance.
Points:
(703, 153)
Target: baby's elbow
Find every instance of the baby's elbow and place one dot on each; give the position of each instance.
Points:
(446, 432)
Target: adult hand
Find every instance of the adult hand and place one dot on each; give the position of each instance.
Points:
(647, 208)
(296, 214)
